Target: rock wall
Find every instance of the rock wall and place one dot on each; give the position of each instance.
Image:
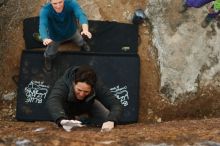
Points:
(188, 55)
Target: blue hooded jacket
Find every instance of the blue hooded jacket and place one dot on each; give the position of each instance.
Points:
(60, 26)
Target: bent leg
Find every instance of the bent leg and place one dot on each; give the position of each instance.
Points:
(77, 38)
(49, 55)
(51, 50)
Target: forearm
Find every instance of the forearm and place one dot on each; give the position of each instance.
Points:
(109, 101)
(43, 31)
(56, 110)
(43, 24)
(55, 101)
(85, 31)
(85, 27)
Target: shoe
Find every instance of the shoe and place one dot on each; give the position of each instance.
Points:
(183, 6)
(37, 37)
(85, 48)
(206, 22)
(48, 64)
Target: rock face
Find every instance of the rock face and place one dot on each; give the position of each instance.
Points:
(188, 55)
(91, 9)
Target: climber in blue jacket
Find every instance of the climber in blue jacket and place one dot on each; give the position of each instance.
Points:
(58, 23)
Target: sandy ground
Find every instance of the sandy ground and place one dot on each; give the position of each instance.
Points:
(185, 132)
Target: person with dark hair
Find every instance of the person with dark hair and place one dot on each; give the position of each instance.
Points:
(58, 23)
(79, 92)
(213, 8)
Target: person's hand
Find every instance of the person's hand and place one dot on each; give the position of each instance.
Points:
(47, 41)
(85, 31)
(69, 124)
(87, 34)
(107, 126)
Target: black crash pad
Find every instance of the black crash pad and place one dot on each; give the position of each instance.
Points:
(119, 72)
(108, 36)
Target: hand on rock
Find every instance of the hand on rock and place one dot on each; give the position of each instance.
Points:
(69, 124)
(107, 126)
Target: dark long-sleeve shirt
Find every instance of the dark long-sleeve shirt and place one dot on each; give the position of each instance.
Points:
(62, 99)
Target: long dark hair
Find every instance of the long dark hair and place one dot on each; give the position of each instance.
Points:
(86, 74)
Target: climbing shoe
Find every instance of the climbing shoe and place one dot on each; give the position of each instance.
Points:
(48, 64)
(85, 47)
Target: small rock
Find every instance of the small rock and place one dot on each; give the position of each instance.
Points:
(159, 120)
(208, 143)
(39, 129)
(9, 96)
(106, 142)
(23, 142)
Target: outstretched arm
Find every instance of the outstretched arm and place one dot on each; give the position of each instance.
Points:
(85, 31)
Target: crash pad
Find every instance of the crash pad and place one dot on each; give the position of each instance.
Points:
(108, 36)
(120, 72)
